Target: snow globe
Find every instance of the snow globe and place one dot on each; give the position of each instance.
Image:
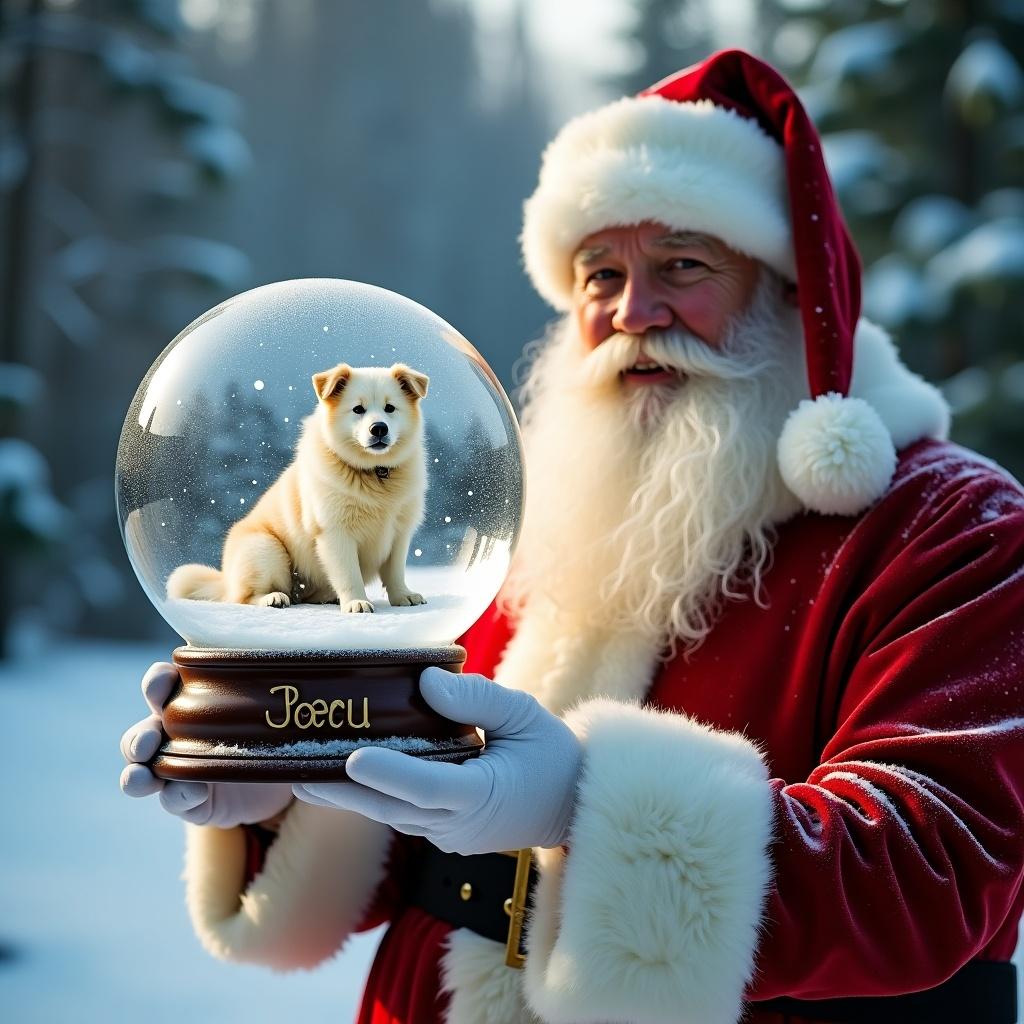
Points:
(319, 486)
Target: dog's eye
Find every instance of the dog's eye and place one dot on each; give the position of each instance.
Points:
(389, 407)
(359, 410)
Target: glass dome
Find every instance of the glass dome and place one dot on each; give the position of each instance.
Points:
(294, 416)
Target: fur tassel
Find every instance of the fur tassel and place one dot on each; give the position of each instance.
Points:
(835, 455)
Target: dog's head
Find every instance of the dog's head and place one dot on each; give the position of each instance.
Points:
(370, 416)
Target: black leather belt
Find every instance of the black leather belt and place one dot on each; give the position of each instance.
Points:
(981, 992)
(479, 893)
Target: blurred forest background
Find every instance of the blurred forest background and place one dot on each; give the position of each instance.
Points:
(158, 156)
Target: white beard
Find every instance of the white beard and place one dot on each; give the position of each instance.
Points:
(648, 507)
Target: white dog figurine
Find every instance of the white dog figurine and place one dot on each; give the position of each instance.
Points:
(342, 513)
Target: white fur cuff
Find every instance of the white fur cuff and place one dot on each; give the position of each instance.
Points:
(653, 916)
(318, 879)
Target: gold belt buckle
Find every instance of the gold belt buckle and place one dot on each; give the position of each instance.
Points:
(515, 907)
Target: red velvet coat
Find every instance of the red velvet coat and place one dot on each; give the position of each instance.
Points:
(885, 685)
(848, 821)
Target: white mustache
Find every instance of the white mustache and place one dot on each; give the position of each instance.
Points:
(672, 349)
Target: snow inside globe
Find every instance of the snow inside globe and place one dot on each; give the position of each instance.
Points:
(320, 465)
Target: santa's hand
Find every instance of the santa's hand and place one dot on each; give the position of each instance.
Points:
(519, 792)
(223, 804)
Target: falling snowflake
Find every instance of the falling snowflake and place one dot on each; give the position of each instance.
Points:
(258, 385)
(418, 552)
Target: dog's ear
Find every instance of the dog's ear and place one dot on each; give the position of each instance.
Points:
(331, 383)
(411, 381)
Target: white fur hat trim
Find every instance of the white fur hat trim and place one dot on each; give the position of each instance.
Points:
(836, 455)
(692, 166)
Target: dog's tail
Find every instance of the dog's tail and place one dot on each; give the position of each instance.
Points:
(198, 582)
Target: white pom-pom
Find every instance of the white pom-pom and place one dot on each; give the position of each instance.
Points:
(836, 455)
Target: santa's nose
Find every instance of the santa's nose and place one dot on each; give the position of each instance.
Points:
(379, 429)
(640, 308)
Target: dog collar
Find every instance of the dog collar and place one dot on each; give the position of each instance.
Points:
(383, 472)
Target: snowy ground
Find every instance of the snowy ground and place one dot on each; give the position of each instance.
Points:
(93, 912)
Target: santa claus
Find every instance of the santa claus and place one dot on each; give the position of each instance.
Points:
(753, 692)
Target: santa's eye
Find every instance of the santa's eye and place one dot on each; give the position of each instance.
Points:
(359, 410)
(389, 407)
(685, 263)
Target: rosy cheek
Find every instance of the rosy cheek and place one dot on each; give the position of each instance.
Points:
(700, 311)
(593, 323)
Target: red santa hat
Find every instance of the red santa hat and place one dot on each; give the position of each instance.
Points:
(726, 148)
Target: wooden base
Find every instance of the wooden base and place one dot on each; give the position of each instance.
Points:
(282, 716)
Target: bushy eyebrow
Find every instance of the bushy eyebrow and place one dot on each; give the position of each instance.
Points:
(684, 240)
(584, 257)
(675, 240)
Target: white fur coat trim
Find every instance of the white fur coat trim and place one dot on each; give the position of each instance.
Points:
(483, 988)
(560, 663)
(653, 916)
(692, 166)
(319, 876)
(910, 407)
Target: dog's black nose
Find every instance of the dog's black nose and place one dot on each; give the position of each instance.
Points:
(379, 429)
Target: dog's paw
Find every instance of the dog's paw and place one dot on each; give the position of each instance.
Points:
(277, 599)
(359, 607)
(406, 598)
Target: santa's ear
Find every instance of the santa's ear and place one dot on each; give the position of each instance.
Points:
(331, 383)
(411, 381)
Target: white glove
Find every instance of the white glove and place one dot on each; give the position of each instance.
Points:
(223, 804)
(519, 792)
